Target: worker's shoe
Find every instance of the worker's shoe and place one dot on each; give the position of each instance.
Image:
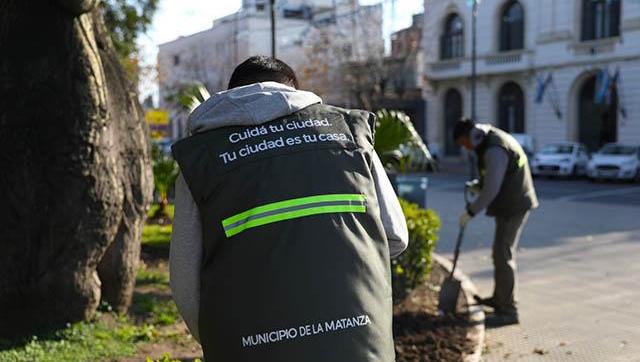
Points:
(501, 319)
(487, 302)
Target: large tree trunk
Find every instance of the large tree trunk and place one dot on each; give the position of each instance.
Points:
(76, 173)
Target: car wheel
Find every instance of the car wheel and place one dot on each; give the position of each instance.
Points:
(637, 178)
(574, 173)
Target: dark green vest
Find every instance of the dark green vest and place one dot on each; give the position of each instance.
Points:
(295, 261)
(517, 193)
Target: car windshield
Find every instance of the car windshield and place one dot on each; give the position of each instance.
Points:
(617, 150)
(557, 150)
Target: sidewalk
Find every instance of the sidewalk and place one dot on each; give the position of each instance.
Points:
(579, 280)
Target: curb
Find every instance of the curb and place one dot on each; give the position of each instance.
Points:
(475, 312)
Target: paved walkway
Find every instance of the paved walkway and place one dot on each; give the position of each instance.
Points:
(579, 278)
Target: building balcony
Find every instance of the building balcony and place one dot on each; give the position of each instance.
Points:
(447, 65)
(502, 58)
(596, 46)
(492, 63)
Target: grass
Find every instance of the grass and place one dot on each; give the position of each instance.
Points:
(148, 276)
(156, 235)
(157, 309)
(152, 319)
(108, 335)
(84, 341)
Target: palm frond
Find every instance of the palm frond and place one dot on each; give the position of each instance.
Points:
(398, 143)
(191, 96)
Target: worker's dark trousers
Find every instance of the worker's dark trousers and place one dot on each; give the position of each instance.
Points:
(508, 231)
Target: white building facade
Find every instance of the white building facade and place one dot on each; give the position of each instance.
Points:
(557, 70)
(309, 32)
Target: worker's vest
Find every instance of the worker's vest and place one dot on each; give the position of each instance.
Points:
(517, 193)
(295, 260)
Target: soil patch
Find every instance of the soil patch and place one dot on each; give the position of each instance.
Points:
(422, 334)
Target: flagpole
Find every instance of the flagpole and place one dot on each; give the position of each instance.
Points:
(273, 28)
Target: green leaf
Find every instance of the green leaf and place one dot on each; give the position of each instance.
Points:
(192, 95)
(399, 145)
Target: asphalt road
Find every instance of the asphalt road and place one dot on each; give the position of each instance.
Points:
(580, 190)
(579, 287)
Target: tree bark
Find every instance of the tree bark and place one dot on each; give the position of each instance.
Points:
(76, 171)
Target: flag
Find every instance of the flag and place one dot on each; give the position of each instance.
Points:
(602, 86)
(613, 86)
(542, 86)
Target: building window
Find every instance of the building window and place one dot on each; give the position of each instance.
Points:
(511, 108)
(452, 41)
(452, 114)
(260, 6)
(512, 27)
(176, 60)
(600, 19)
(302, 13)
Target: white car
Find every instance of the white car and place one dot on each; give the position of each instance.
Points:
(616, 161)
(561, 159)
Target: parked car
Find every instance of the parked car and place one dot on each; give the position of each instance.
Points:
(567, 159)
(616, 161)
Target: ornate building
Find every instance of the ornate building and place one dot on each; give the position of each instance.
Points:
(557, 70)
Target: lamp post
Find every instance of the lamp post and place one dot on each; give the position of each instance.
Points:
(474, 57)
(473, 171)
(273, 27)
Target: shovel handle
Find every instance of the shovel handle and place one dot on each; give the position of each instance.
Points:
(457, 250)
(460, 234)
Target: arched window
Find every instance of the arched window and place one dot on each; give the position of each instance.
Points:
(600, 19)
(452, 41)
(452, 114)
(512, 27)
(511, 108)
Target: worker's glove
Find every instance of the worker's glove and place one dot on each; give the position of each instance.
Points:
(474, 187)
(465, 218)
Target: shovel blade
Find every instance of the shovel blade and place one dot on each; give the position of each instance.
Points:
(449, 292)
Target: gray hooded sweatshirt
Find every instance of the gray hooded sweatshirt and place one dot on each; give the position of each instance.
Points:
(248, 106)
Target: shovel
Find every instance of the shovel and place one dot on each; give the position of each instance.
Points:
(450, 289)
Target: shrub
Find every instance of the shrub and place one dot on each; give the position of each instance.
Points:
(412, 267)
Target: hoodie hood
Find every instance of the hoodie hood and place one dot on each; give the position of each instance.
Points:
(478, 133)
(249, 105)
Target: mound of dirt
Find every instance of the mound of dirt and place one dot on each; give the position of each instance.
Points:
(422, 334)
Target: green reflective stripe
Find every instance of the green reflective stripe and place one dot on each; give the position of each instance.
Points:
(303, 207)
(522, 160)
(290, 203)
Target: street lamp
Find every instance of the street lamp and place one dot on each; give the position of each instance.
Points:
(474, 60)
(273, 27)
(474, 54)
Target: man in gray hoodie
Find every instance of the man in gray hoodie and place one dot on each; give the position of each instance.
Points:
(507, 192)
(284, 224)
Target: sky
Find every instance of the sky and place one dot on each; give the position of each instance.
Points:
(184, 17)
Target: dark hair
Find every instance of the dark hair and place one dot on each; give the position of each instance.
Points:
(462, 128)
(261, 68)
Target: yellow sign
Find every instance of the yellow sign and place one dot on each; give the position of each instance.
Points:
(157, 117)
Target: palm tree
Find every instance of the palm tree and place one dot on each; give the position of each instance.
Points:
(192, 95)
(399, 145)
(165, 172)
